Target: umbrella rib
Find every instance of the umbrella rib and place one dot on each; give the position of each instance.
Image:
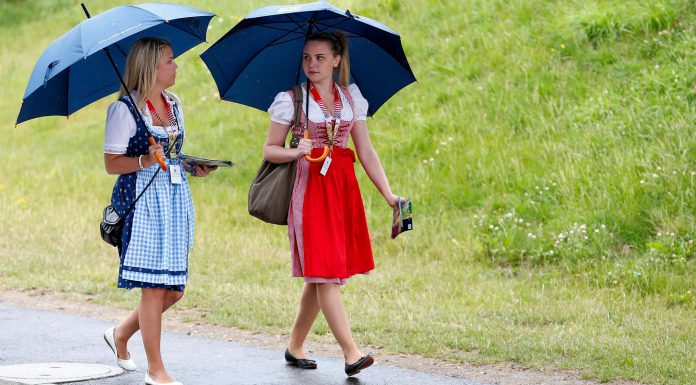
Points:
(298, 30)
(168, 21)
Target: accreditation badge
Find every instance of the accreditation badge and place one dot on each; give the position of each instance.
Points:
(175, 174)
(325, 166)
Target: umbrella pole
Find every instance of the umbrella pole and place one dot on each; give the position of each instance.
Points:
(163, 165)
(297, 81)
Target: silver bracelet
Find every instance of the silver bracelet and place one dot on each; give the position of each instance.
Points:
(140, 162)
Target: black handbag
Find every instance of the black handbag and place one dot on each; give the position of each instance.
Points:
(271, 191)
(111, 226)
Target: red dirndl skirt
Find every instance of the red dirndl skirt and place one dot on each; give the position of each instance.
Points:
(336, 239)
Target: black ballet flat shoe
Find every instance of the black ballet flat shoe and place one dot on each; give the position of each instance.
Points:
(300, 363)
(359, 365)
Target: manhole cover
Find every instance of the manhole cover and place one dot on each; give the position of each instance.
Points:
(51, 373)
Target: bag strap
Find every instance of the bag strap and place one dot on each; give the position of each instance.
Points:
(141, 194)
(296, 117)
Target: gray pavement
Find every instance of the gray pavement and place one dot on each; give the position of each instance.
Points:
(36, 336)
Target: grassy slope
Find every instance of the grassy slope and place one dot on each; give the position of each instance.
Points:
(548, 147)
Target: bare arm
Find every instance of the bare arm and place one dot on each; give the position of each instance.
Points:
(122, 164)
(370, 161)
(274, 150)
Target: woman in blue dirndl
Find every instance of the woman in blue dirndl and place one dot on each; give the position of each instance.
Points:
(158, 231)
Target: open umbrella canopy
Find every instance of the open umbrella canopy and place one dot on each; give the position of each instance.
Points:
(262, 54)
(74, 70)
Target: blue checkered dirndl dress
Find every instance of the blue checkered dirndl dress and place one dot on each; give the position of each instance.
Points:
(158, 231)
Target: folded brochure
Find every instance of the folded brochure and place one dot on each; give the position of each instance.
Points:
(206, 162)
(401, 220)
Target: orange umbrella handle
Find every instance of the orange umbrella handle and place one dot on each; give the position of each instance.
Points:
(321, 157)
(163, 165)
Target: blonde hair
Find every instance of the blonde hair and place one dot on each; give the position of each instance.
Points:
(141, 67)
(339, 46)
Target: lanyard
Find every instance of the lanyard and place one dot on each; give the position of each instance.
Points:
(171, 121)
(331, 134)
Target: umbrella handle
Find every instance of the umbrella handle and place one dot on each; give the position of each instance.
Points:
(321, 157)
(163, 165)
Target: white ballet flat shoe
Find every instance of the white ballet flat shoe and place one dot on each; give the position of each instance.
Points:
(150, 381)
(128, 364)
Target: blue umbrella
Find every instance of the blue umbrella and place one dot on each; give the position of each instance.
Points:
(84, 64)
(262, 54)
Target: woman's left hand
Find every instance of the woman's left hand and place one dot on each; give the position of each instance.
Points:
(200, 170)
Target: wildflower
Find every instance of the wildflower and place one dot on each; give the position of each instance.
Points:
(596, 231)
(562, 46)
(642, 181)
(432, 159)
(603, 227)
(449, 138)
(659, 234)
(654, 175)
(659, 168)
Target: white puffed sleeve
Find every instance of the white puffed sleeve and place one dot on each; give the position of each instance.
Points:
(282, 108)
(359, 102)
(120, 127)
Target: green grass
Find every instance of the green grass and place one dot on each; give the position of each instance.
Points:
(548, 147)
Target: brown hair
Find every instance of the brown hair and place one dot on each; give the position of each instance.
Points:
(141, 67)
(339, 46)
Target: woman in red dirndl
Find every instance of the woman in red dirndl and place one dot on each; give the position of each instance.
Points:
(329, 239)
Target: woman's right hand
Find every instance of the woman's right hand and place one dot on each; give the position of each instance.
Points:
(304, 147)
(155, 149)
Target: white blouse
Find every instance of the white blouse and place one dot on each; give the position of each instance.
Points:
(282, 108)
(120, 125)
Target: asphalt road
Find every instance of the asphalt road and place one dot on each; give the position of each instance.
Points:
(36, 336)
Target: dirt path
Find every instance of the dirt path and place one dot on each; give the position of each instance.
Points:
(504, 374)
